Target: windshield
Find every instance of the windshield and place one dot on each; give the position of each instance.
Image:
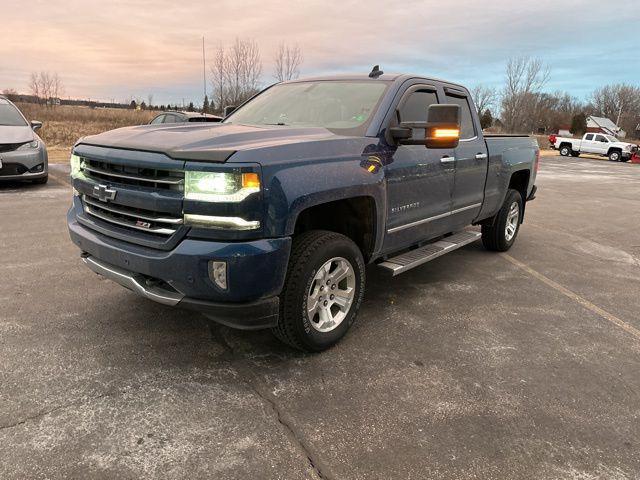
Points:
(9, 115)
(611, 139)
(343, 107)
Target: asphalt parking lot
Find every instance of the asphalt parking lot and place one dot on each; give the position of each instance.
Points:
(477, 365)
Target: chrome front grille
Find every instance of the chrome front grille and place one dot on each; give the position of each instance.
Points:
(150, 222)
(101, 171)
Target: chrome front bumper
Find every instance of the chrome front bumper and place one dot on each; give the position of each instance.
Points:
(246, 316)
(135, 282)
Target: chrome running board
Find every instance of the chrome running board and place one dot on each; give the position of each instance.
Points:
(421, 255)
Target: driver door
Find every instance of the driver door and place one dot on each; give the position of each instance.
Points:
(601, 144)
(419, 180)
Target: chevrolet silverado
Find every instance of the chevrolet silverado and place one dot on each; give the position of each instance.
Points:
(267, 219)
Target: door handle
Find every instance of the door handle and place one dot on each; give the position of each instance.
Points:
(447, 159)
(481, 156)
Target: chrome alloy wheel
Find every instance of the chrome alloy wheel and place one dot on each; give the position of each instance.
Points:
(331, 294)
(513, 218)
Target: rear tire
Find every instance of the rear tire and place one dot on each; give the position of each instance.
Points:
(323, 291)
(501, 233)
(615, 156)
(565, 150)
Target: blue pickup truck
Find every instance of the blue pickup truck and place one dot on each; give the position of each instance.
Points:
(267, 219)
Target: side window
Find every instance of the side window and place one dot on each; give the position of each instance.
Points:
(158, 119)
(600, 138)
(589, 137)
(170, 119)
(467, 130)
(415, 107)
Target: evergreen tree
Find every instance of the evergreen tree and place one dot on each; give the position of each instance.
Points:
(486, 120)
(205, 105)
(578, 124)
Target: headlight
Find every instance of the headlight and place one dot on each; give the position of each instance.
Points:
(220, 186)
(29, 146)
(75, 165)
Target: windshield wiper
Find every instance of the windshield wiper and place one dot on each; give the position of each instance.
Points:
(279, 124)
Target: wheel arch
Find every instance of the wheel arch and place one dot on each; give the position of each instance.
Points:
(614, 149)
(356, 217)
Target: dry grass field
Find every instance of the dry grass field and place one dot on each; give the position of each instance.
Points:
(64, 125)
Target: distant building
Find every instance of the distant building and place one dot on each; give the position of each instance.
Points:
(604, 125)
(565, 131)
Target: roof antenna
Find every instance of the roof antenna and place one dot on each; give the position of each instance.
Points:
(375, 72)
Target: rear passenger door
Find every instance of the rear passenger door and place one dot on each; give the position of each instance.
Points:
(470, 162)
(588, 145)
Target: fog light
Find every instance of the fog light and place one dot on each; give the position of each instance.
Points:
(218, 273)
(37, 168)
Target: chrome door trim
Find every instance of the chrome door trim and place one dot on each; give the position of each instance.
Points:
(431, 219)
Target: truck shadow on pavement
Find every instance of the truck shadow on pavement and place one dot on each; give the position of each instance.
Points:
(150, 333)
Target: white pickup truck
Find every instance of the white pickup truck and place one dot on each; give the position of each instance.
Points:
(597, 144)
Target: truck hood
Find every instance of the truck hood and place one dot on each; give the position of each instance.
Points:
(623, 145)
(204, 142)
(11, 134)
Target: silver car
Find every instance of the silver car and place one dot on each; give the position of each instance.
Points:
(23, 154)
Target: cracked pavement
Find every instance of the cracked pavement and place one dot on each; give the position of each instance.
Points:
(472, 366)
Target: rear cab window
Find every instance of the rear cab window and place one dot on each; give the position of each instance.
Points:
(467, 128)
(589, 137)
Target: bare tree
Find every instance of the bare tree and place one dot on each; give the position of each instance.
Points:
(287, 62)
(620, 103)
(525, 78)
(10, 93)
(34, 85)
(235, 73)
(150, 100)
(484, 97)
(46, 86)
(56, 86)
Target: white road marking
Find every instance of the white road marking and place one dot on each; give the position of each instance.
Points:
(574, 296)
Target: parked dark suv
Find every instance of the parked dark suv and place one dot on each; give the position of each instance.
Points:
(183, 117)
(23, 154)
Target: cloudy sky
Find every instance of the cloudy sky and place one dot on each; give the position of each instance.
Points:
(121, 49)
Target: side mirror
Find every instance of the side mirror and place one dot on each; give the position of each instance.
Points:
(228, 110)
(35, 125)
(443, 126)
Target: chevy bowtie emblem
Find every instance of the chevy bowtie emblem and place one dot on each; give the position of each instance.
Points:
(104, 193)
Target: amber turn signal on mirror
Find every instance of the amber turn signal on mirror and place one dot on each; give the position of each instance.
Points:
(443, 126)
(446, 133)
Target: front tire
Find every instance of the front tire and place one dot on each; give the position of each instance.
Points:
(323, 291)
(501, 233)
(615, 156)
(565, 150)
